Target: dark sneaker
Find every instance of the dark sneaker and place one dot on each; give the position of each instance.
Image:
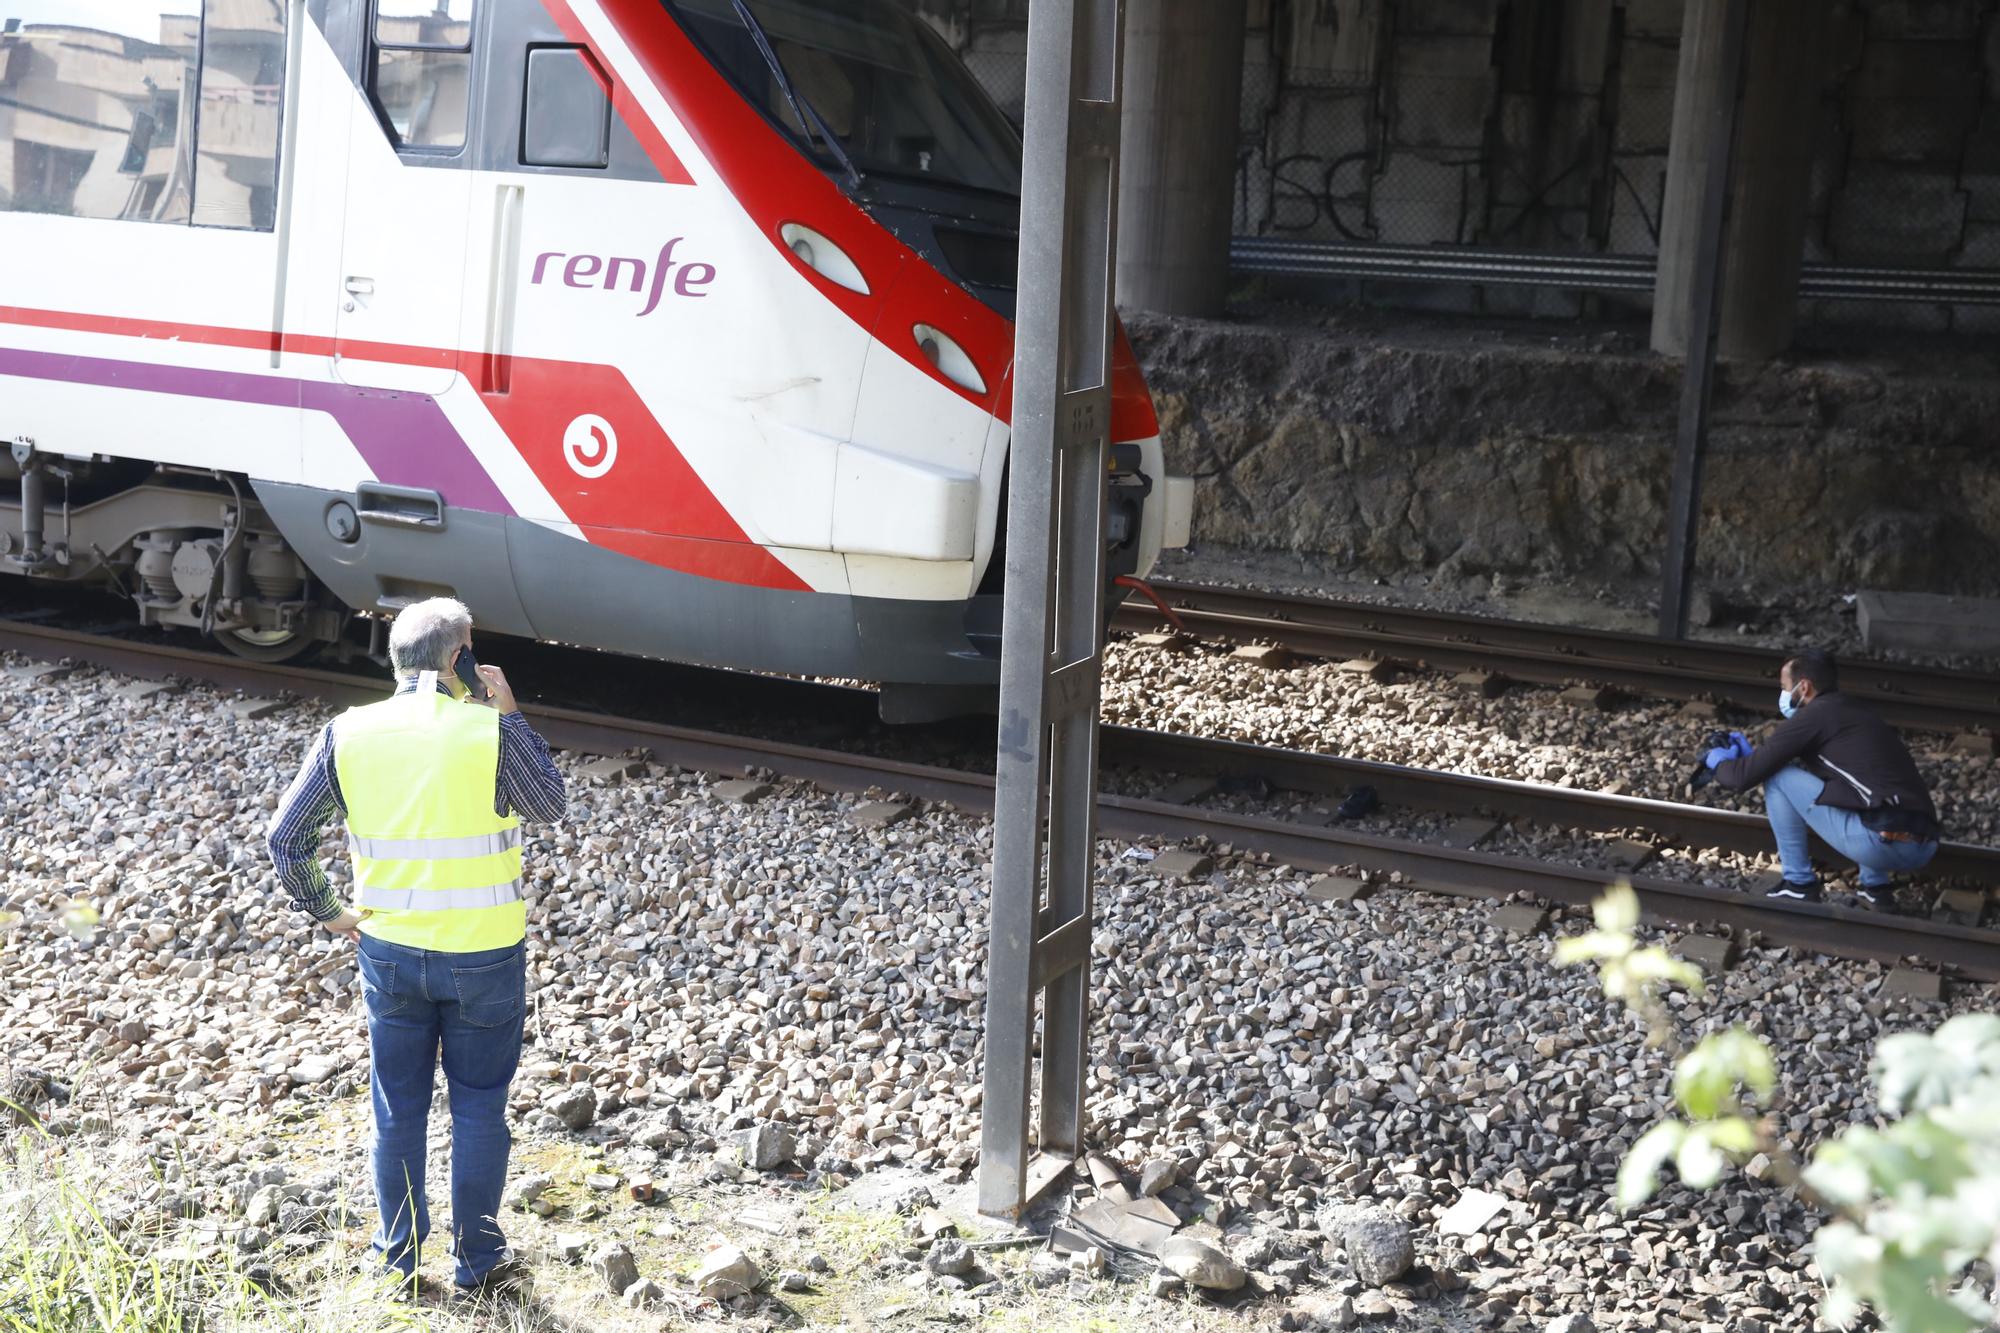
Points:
(510, 1277)
(1874, 899)
(1786, 890)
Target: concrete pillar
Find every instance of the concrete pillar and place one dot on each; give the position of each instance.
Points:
(1784, 63)
(1183, 85)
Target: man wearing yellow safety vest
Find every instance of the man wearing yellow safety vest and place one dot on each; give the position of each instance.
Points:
(432, 786)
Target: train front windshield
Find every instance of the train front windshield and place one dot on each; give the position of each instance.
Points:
(874, 76)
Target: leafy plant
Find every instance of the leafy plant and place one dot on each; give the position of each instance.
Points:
(1913, 1204)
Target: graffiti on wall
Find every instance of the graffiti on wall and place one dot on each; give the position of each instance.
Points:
(1530, 124)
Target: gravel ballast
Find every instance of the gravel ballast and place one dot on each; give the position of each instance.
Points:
(1640, 748)
(704, 968)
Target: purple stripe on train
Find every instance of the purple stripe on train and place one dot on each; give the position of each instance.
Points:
(405, 438)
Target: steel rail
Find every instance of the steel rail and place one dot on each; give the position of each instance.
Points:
(1822, 928)
(1924, 698)
(1586, 272)
(1498, 799)
(1124, 748)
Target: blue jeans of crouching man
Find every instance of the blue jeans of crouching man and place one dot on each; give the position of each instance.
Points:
(1791, 800)
(470, 1006)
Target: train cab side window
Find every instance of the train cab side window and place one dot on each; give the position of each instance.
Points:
(242, 104)
(567, 116)
(97, 109)
(422, 77)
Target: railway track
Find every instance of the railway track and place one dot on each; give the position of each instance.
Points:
(1970, 951)
(1922, 698)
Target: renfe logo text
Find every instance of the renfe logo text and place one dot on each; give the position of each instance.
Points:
(584, 270)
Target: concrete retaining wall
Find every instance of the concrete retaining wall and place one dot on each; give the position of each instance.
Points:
(1473, 453)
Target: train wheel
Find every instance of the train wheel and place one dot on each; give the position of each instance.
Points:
(266, 645)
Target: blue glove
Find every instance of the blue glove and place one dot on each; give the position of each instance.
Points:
(1738, 748)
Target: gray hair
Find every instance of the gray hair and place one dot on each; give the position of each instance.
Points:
(427, 634)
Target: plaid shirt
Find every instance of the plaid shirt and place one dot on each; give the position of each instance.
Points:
(528, 783)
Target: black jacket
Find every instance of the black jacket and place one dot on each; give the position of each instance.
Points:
(1864, 763)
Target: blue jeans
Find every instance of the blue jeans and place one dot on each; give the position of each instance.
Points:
(1791, 797)
(473, 1005)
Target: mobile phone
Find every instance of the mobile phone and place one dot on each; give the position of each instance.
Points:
(467, 667)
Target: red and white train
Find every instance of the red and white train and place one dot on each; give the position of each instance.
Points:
(672, 327)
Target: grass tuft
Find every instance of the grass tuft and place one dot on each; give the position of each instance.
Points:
(76, 1256)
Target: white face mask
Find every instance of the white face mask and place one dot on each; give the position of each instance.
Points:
(1788, 702)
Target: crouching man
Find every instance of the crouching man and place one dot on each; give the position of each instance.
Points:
(1834, 768)
(432, 785)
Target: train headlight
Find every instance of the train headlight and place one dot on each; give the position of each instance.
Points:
(950, 359)
(823, 257)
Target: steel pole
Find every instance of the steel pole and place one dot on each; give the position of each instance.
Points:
(1045, 803)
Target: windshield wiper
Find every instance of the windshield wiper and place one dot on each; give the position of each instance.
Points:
(809, 117)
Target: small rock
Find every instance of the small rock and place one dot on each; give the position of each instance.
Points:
(768, 1147)
(1089, 1261)
(1378, 1245)
(617, 1265)
(1156, 1176)
(575, 1106)
(795, 1281)
(725, 1171)
(1257, 1252)
(268, 1202)
(915, 1200)
(816, 1263)
(725, 1272)
(1047, 1269)
(645, 1294)
(313, 1069)
(1200, 1264)
(571, 1246)
(1373, 1305)
(523, 1193)
(1339, 1313)
(1334, 1219)
(1165, 1283)
(950, 1258)
(306, 1219)
(1571, 1323)
(661, 1135)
